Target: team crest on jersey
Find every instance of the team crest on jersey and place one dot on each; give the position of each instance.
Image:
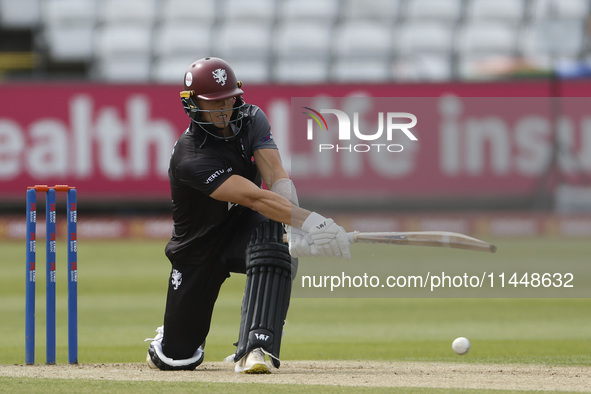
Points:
(220, 76)
(177, 278)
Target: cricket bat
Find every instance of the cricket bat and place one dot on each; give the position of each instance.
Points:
(444, 239)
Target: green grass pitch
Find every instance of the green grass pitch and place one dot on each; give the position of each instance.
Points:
(122, 288)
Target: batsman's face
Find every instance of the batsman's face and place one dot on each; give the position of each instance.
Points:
(219, 111)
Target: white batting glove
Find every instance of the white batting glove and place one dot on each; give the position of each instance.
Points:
(300, 243)
(329, 238)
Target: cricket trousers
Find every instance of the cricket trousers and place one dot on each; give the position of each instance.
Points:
(193, 289)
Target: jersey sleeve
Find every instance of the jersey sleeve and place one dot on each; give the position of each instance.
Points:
(262, 138)
(205, 174)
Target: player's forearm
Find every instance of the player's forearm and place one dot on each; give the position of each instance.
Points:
(240, 190)
(268, 162)
(298, 216)
(278, 208)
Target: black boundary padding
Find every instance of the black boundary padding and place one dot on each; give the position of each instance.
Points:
(267, 292)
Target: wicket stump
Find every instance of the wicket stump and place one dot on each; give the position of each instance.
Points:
(50, 268)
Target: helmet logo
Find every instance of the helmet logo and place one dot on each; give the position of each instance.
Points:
(220, 76)
(188, 79)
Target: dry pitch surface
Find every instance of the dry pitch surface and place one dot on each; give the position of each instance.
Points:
(344, 373)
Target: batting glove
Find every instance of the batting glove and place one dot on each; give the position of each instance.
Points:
(300, 243)
(329, 238)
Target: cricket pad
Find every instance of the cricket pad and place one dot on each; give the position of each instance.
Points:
(267, 292)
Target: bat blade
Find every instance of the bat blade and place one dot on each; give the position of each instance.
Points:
(424, 238)
(442, 239)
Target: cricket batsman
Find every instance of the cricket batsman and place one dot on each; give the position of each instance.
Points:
(225, 222)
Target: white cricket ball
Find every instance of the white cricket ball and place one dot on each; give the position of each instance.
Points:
(461, 345)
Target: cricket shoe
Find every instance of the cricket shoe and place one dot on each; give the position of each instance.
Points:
(252, 363)
(157, 360)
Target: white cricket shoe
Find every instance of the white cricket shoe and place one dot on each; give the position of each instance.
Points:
(253, 363)
(158, 337)
(150, 362)
(157, 360)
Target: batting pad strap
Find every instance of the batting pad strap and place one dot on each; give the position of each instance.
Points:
(268, 256)
(285, 188)
(267, 292)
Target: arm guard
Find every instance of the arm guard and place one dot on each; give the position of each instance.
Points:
(285, 188)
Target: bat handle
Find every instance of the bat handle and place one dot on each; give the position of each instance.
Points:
(352, 237)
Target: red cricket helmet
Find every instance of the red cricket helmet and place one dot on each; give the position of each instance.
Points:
(211, 78)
